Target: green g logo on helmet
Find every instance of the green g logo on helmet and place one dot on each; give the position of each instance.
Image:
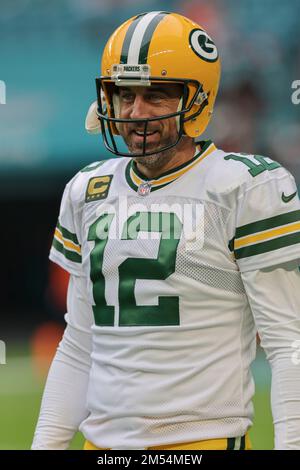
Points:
(203, 45)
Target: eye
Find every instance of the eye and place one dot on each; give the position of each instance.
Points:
(127, 96)
(155, 97)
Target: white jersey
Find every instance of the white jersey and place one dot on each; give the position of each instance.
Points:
(173, 334)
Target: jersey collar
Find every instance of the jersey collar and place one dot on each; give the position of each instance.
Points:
(135, 178)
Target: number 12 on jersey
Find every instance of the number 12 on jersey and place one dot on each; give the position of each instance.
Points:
(133, 268)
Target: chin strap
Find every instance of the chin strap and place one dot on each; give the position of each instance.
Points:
(92, 123)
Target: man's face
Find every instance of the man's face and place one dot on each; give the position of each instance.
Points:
(149, 102)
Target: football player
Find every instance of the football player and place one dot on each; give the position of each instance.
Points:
(178, 253)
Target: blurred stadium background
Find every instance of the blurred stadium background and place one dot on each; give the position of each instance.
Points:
(49, 56)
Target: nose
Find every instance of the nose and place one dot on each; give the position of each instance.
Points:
(139, 108)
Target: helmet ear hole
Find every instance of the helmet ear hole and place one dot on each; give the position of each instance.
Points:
(198, 117)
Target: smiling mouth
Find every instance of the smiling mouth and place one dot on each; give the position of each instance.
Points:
(139, 138)
(142, 133)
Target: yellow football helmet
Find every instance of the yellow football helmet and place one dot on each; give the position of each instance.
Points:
(159, 47)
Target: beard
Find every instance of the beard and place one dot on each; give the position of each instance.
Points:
(157, 160)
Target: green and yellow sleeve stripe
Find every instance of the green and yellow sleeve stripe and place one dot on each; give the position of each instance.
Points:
(266, 235)
(67, 243)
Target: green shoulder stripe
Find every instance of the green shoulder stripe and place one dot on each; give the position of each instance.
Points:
(270, 245)
(67, 234)
(70, 255)
(265, 224)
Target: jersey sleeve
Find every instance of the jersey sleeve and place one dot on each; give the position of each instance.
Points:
(66, 245)
(267, 222)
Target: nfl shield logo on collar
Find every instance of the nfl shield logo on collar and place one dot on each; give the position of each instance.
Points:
(144, 189)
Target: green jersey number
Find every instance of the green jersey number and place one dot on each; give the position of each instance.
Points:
(254, 168)
(131, 269)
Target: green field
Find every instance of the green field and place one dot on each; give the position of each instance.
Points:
(21, 391)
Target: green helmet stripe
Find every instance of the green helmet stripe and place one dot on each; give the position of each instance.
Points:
(144, 49)
(138, 37)
(128, 37)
